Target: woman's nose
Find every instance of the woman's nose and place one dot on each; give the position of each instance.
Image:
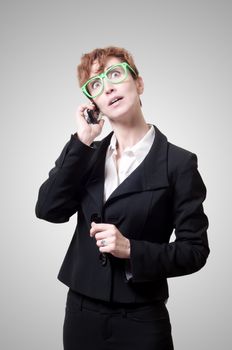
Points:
(108, 87)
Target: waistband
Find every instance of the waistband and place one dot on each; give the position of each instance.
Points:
(83, 302)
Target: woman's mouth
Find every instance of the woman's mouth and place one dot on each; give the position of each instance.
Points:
(115, 100)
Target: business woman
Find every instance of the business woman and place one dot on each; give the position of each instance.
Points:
(130, 191)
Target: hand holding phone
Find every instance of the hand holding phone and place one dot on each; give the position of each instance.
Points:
(89, 122)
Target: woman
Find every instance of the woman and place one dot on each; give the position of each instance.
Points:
(130, 190)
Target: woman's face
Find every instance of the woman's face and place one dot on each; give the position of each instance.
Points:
(127, 91)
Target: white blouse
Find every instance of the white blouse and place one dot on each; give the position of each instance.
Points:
(129, 161)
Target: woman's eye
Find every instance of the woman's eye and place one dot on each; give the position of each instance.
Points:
(95, 85)
(115, 74)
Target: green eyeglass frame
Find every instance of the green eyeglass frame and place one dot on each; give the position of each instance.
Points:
(103, 75)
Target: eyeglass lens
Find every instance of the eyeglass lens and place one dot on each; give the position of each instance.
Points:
(115, 75)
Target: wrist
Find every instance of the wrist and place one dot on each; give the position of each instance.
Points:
(85, 139)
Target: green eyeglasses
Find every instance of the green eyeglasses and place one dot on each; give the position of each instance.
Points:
(114, 74)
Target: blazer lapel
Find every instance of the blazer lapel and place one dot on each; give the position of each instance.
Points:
(151, 174)
(95, 185)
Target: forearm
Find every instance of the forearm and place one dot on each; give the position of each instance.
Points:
(151, 261)
(59, 195)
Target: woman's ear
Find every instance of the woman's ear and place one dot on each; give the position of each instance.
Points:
(139, 85)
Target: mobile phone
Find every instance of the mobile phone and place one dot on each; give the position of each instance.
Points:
(92, 117)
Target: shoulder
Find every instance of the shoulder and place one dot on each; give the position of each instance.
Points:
(182, 164)
(178, 154)
(178, 159)
(174, 154)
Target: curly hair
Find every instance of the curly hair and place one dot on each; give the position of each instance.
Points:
(101, 56)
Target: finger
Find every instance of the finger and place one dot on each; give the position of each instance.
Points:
(101, 122)
(99, 234)
(87, 105)
(101, 226)
(104, 242)
(82, 108)
(103, 235)
(94, 230)
(106, 249)
(80, 113)
(99, 229)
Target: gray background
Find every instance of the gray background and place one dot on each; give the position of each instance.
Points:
(183, 52)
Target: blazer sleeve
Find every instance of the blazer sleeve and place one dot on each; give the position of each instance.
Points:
(59, 196)
(189, 251)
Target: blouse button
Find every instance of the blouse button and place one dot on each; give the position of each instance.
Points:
(103, 258)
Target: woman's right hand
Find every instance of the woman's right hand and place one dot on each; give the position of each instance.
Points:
(87, 132)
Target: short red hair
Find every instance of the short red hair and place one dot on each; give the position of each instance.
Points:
(101, 56)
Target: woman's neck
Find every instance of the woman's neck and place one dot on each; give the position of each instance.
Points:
(130, 132)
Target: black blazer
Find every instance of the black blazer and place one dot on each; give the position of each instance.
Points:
(164, 193)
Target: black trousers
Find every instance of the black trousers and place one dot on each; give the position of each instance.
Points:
(93, 325)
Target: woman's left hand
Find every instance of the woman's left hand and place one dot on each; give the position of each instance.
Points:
(110, 240)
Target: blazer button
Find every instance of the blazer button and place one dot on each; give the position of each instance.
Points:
(96, 218)
(103, 258)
